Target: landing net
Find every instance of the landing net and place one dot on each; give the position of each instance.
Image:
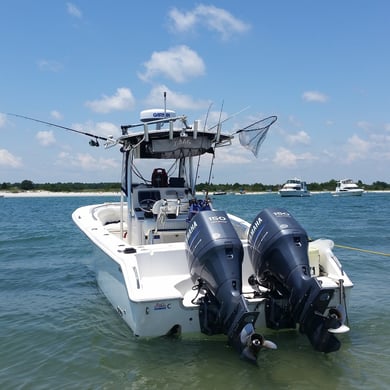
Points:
(252, 136)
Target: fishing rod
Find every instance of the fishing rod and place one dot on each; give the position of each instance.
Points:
(198, 165)
(91, 142)
(216, 140)
(229, 117)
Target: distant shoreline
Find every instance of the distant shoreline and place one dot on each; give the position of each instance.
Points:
(49, 194)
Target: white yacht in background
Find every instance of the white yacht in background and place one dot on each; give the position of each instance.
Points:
(294, 187)
(347, 187)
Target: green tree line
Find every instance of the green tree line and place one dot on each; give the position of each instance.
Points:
(314, 186)
(28, 185)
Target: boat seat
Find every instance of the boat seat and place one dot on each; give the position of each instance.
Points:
(159, 178)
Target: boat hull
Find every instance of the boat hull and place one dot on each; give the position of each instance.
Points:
(348, 193)
(292, 193)
(161, 315)
(150, 286)
(156, 311)
(150, 306)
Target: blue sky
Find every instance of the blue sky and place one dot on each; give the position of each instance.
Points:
(321, 66)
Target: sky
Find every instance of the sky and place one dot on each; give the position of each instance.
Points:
(322, 67)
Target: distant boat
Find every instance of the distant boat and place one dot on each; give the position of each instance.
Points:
(219, 193)
(347, 187)
(294, 187)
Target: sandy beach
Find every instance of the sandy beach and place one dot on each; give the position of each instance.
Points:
(43, 194)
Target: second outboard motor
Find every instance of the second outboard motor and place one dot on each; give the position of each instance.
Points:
(278, 249)
(215, 255)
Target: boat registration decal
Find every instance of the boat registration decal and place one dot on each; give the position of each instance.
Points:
(162, 306)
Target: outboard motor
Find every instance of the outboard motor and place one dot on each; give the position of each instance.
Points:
(215, 255)
(278, 249)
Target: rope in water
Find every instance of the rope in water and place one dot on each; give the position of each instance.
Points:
(362, 250)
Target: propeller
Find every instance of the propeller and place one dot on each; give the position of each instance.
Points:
(253, 342)
(339, 313)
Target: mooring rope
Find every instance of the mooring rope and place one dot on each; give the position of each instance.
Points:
(362, 250)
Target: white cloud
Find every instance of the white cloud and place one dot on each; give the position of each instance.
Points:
(357, 148)
(375, 148)
(329, 154)
(366, 126)
(122, 100)
(299, 138)
(7, 159)
(73, 10)
(3, 119)
(49, 65)
(294, 121)
(107, 129)
(380, 141)
(210, 17)
(286, 158)
(176, 100)
(56, 115)
(86, 161)
(314, 96)
(179, 64)
(104, 129)
(46, 138)
(237, 155)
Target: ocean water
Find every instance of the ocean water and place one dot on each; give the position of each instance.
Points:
(57, 331)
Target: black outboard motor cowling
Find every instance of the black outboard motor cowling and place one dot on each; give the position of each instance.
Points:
(215, 252)
(215, 255)
(278, 249)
